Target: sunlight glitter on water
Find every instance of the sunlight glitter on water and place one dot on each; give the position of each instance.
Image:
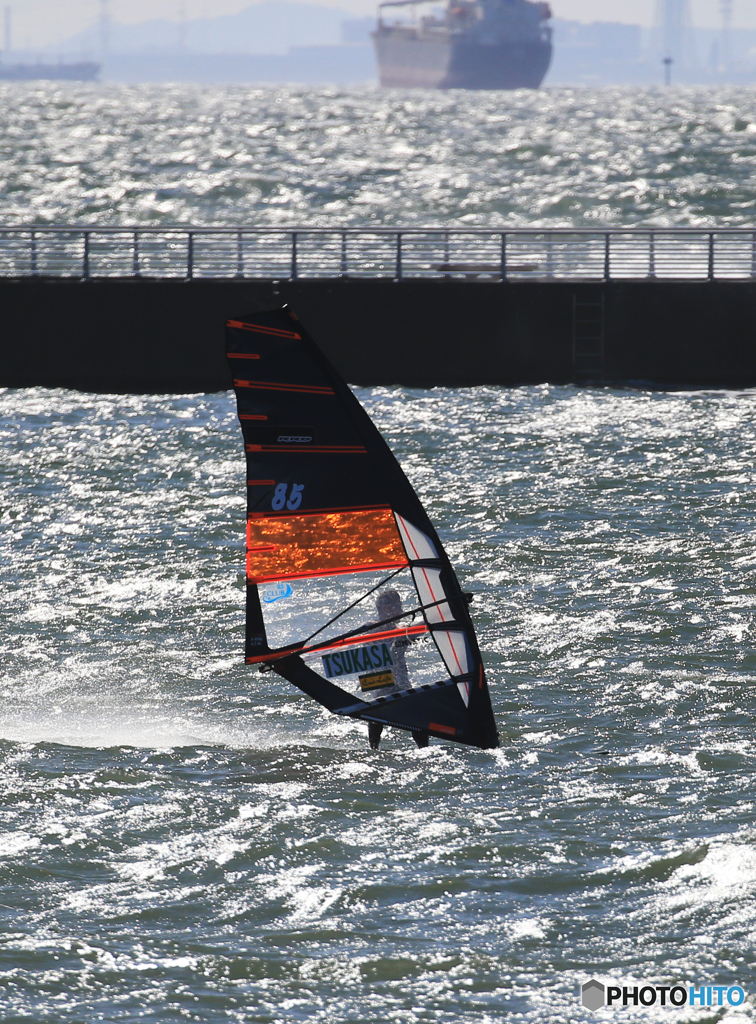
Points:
(186, 841)
(110, 154)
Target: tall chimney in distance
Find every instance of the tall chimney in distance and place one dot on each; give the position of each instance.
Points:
(674, 33)
(725, 7)
(104, 27)
(182, 26)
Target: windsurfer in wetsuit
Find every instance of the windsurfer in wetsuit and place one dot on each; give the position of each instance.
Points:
(388, 605)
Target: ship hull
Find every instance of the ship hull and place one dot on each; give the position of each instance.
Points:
(411, 63)
(84, 71)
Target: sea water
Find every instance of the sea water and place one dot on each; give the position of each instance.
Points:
(184, 839)
(250, 156)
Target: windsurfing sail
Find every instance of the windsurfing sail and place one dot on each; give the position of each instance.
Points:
(350, 594)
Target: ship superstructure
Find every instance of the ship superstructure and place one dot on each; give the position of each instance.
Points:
(472, 44)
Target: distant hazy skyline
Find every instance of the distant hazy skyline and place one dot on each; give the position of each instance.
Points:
(46, 22)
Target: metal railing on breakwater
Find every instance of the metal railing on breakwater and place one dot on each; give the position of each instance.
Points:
(397, 253)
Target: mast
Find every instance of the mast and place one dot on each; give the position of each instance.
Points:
(348, 583)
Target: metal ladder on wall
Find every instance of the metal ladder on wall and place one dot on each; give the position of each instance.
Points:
(588, 339)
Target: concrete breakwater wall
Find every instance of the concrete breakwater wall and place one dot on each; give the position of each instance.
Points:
(166, 334)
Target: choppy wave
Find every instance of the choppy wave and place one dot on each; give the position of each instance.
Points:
(183, 840)
(273, 156)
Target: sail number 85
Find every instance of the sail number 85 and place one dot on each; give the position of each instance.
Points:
(280, 495)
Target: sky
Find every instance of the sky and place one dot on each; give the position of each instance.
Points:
(45, 22)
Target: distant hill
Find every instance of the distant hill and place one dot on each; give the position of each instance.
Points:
(269, 27)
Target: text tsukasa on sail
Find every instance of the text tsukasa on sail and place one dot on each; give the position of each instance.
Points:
(350, 595)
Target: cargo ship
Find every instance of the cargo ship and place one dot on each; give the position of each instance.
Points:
(81, 71)
(472, 44)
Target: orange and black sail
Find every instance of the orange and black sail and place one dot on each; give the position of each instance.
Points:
(350, 595)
